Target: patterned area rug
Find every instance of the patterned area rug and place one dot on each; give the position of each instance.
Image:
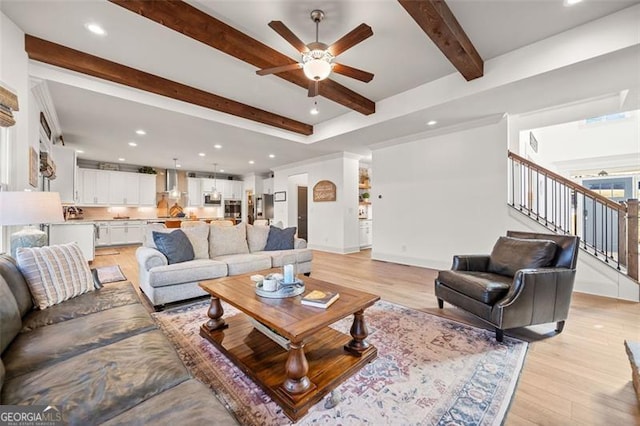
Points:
(110, 274)
(429, 371)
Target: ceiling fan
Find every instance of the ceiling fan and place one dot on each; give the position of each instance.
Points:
(317, 58)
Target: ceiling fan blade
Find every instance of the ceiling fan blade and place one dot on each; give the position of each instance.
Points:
(288, 35)
(352, 72)
(276, 70)
(355, 36)
(313, 89)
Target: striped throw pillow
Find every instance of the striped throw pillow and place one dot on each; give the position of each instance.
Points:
(55, 273)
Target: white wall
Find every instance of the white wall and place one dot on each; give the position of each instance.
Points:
(14, 73)
(565, 147)
(440, 196)
(332, 226)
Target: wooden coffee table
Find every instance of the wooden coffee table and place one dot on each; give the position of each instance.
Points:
(319, 358)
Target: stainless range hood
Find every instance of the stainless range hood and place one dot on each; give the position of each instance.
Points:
(172, 181)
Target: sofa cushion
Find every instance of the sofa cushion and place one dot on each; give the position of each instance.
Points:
(55, 273)
(244, 263)
(10, 319)
(279, 257)
(198, 236)
(509, 255)
(482, 286)
(197, 406)
(280, 239)
(257, 237)
(97, 385)
(198, 233)
(110, 296)
(18, 285)
(225, 240)
(175, 246)
(185, 272)
(48, 345)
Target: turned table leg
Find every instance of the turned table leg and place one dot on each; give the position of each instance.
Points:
(359, 332)
(215, 313)
(296, 369)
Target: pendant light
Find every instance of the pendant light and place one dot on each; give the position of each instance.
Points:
(214, 192)
(174, 193)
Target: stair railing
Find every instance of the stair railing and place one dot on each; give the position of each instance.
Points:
(607, 229)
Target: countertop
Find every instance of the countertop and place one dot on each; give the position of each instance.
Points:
(133, 219)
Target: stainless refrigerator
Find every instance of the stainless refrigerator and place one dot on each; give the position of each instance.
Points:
(264, 206)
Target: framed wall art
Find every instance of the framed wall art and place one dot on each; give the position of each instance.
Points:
(280, 196)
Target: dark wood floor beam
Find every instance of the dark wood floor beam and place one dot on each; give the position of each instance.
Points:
(65, 57)
(192, 22)
(438, 22)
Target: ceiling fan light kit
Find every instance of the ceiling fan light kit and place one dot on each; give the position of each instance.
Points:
(317, 58)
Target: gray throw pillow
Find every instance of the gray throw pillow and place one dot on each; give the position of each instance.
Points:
(280, 239)
(509, 255)
(174, 245)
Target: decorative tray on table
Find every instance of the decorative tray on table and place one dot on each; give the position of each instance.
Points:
(284, 290)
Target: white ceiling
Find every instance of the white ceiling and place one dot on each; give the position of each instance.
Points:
(400, 55)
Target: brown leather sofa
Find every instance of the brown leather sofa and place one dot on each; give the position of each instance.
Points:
(98, 358)
(527, 280)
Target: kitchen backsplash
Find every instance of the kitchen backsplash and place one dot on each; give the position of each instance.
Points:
(98, 213)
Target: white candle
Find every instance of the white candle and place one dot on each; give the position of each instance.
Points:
(288, 274)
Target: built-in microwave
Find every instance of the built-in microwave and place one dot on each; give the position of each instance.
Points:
(209, 200)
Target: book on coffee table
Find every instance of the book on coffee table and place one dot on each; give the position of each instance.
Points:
(320, 299)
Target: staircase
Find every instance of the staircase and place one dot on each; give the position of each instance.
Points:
(608, 230)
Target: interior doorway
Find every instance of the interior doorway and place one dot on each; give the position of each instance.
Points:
(302, 212)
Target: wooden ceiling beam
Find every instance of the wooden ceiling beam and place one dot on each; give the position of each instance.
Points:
(438, 22)
(192, 22)
(74, 60)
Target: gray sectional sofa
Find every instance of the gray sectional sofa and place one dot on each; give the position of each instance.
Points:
(219, 251)
(98, 358)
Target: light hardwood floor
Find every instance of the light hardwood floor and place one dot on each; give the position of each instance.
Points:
(579, 377)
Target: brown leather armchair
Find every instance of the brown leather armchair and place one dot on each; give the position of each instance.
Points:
(527, 280)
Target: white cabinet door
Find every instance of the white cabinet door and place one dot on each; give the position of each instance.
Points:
(267, 186)
(134, 234)
(102, 237)
(237, 186)
(366, 236)
(81, 233)
(94, 187)
(117, 234)
(122, 233)
(66, 179)
(124, 189)
(194, 191)
(147, 190)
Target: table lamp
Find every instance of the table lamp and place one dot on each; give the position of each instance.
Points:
(29, 208)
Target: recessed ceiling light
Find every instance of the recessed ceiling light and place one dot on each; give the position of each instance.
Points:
(121, 159)
(222, 170)
(79, 151)
(432, 123)
(201, 154)
(571, 2)
(95, 28)
(217, 146)
(272, 156)
(178, 166)
(141, 132)
(252, 162)
(133, 144)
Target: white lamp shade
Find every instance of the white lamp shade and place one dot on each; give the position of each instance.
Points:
(317, 69)
(30, 208)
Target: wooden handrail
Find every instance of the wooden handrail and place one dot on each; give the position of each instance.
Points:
(576, 187)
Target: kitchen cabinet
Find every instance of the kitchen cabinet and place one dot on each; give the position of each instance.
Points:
(93, 187)
(267, 186)
(113, 233)
(195, 188)
(66, 179)
(366, 233)
(124, 189)
(147, 189)
(102, 234)
(231, 189)
(81, 233)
